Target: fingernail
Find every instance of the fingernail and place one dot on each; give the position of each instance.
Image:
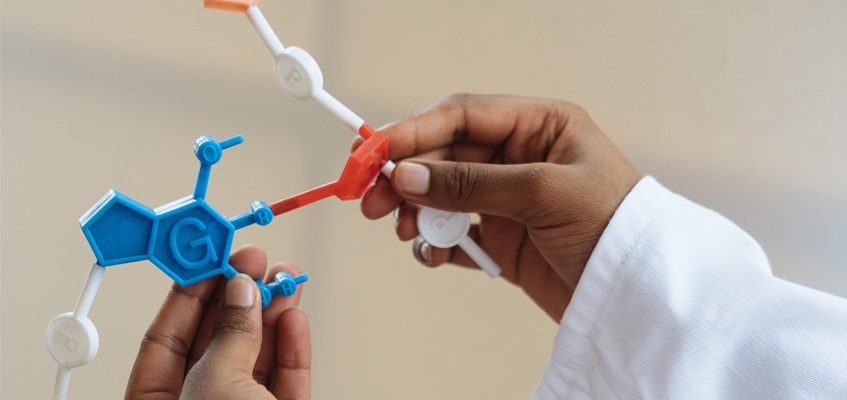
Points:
(426, 252)
(240, 291)
(412, 178)
(422, 251)
(397, 212)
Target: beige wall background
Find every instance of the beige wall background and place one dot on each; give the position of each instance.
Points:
(741, 106)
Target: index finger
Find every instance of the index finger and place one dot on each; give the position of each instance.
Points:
(478, 119)
(160, 366)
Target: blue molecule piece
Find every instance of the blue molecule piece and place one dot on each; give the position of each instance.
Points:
(207, 150)
(192, 241)
(118, 229)
(265, 292)
(262, 213)
(286, 285)
(283, 285)
(187, 239)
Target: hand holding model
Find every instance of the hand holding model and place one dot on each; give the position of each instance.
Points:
(211, 340)
(544, 177)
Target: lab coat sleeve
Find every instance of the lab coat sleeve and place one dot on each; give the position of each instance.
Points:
(677, 302)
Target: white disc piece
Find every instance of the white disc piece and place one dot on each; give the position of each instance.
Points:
(72, 341)
(298, 73)
(443, 229)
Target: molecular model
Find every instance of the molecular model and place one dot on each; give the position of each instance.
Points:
(299, 75)
(190, 241)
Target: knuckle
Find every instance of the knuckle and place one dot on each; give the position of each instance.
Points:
(261, 377)
(203, 371)
(570, 107)
(236, 324)
(294, 364)
(573, 115)
(461, 181)
(538, 179)
(542, 193)
(283, 266)
(170, 342)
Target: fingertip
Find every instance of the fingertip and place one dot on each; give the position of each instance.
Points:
(203, 290)
(282, 266)
(380, 200)
(294, 320)
(411, 178)
(250, 260)
(439, 256)
(422, 251)
(366, 206)
(357, 141)
(241, 291)
(294, 338)
(407, 224)
(281, 303)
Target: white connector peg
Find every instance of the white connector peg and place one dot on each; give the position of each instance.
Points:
(446, 229)
(72, 341)
(72, 338)
(443, 228)
(298, 73)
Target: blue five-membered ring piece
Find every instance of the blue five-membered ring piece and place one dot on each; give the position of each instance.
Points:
(187, 239)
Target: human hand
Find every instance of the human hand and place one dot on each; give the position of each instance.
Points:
(543, 176)
(212, 340)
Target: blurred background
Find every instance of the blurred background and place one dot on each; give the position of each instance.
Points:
(741, 106)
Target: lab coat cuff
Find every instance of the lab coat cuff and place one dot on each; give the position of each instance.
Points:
(626, 229)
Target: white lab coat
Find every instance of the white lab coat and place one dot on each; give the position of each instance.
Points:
(677, 302)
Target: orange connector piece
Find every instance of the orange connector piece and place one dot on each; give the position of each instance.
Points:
(231, 5)
(363, 165)
(362, 168)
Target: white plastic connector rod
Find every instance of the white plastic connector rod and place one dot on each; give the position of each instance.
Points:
(299, 75)
(479, 256)
(72, 338)
(347, 116)
(63, 380)
(446, 229)
(258, 20)
(89, 291)
(388, 169)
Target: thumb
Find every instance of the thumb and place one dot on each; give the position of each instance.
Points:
(512, 191)
(237, 337)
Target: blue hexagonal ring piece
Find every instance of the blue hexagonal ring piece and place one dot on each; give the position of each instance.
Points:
(192, 241)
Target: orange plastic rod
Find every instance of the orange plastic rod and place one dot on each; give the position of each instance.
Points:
(303, 199)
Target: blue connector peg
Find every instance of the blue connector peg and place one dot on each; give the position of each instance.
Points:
(187, 239)
(283, 285)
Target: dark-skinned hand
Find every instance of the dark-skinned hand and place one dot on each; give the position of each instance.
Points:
(212, 340)
(543, 176)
